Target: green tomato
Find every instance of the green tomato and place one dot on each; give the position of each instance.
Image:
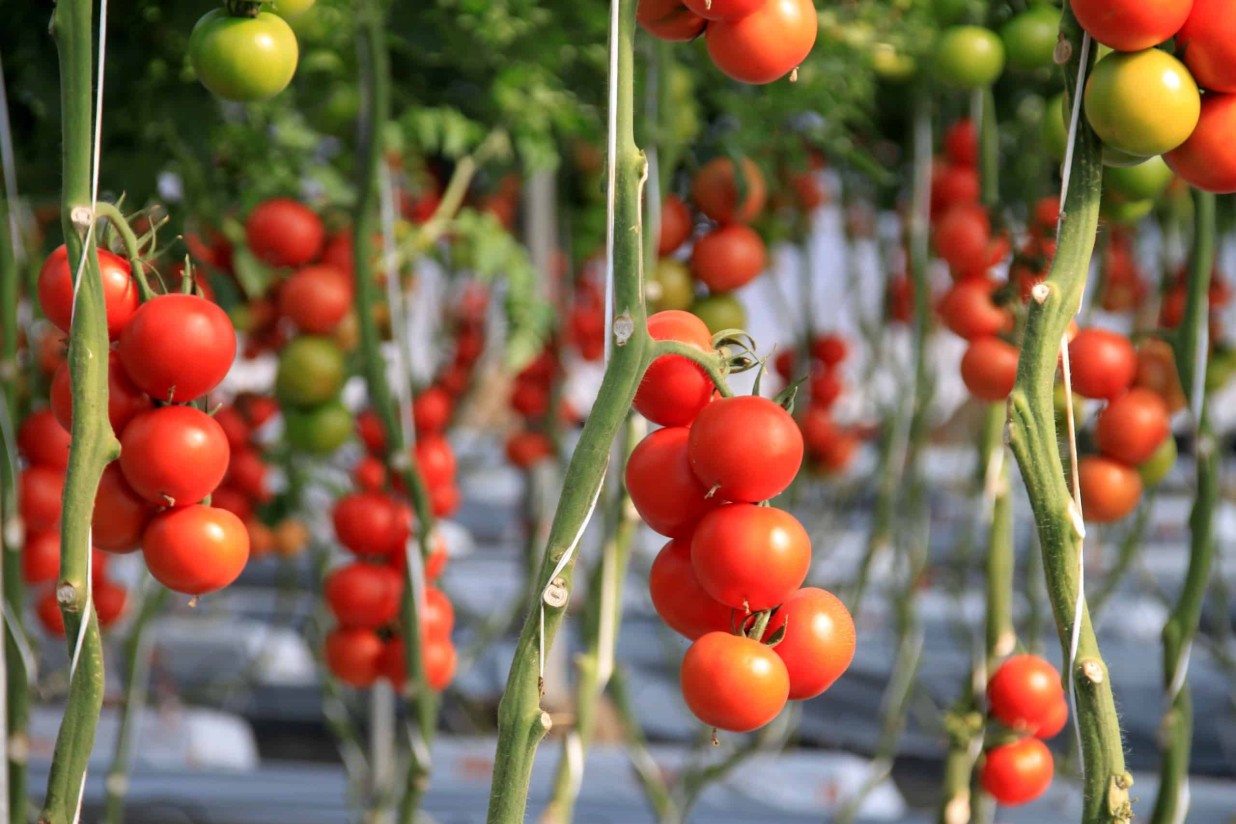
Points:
(291, 9)
(1125, 212)
(1145, 181)
(320, 430)
(970, 57)
(1055, 128)
(1219, 368)
(311, 371)
(671, 286)
(243, 58)
(720, 312)
(1160, 464)
(948, 12)
(1030, 38)
(892, 65)
(1142, 103)
(1061, 410)
(1121, 160)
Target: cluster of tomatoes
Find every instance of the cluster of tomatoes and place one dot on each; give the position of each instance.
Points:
(972, 57)
(1025, 696)
(169, 351)
(532, 398)
(730, 579)
(828, 445)
(244, 54)
(1142, 101)
(752, 41)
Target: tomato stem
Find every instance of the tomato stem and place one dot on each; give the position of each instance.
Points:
(242, 8)
(713, 364)
(114, 217)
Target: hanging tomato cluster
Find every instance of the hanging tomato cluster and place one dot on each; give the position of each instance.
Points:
(1025, 696)
(752, 41)
(828, 445)
(734, 568)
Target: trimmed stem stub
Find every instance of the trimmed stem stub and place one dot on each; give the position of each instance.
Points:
(556, 594)
(1092, 671)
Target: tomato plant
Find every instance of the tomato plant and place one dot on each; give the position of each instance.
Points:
(243, 58)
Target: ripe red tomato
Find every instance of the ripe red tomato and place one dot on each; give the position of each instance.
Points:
(55, 288)
(234, 501)
(124, 400)
(750, 557)
(437, 615)
(748, 447)
(431, 410)
(1102, 364)
(733, 683)
(110, 602)
(669, 20)
(1207, 44)
(47, 609)
(962, 236)
(953, 185)
(436, 461)
(1018, 773)
(437, 654)
(282, 232)
(819, 640)
(961, 143)
(678, 597)
(723, 9)
(178, 347)
(195, 549)
(766, 44)
(1131, 25)
(1055, 721)
(1207, 159)
(1133, 427)
(174, 455)
(969, 311)
(989, 369)
(728, 258)
(676, 225)
(371, 432)
(715, 190)
(825, 387)
(363, 595)
(369, 474)
(1110, 490)
(526, 449)
(674, 389)
(354, 655)
(529, 399)
(40, 557)
(120, 515)
(370, 523)
(437, 560)
(445, 499)
(235, 427)
(247, 473)
(42, 441)
(316, 298)
(39, 490)
(1024, 692)
(664, 490)
(830, 349)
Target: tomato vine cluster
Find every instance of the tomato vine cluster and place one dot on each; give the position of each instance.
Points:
(1025, 696)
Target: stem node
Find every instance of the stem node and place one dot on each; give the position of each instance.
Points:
(1092, 671)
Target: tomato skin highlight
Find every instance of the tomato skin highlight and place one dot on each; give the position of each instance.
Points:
(241, 58)
(664, 490)
(195, 549)
(750, 557)
(174, 455)
(819, 640)
(747, 447)
(1018, 773)
(55, 290)
(766, 44)
(733, 683)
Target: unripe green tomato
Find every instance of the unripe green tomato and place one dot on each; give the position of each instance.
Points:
(244, 59)
(291, 9)
(1145, 181)
(1219, 368)
(1160, 464)
(1142, 103)
(671, 286)
(1055, 127)
(1124, 212)
(1030, 38)
(1121, 160)
(720, 312)
(311, 371)
(319, 430)
(890, 64)
(1061, 411)
(969, 57)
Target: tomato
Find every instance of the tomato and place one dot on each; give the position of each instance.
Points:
(370, 523)
(664, 490)
(370, 430)
(746, 447)
(311, 371)
(1131, 25)
(1030, 38)
(819, 640)
(431, 410)
(670, 286)
(728, 258)
(436, 461)
(1110, 490)
(669, 20)
(177, 347)
(526, 449)
(195, 549)
(437, 560)
(674, 389)
(42, 441)
(285, 233)
(316, 298)
(39, 491)
(1142, 103)
(354, 655)
(235, 426)
(989, 369)
(1206, 159)
(1159, 466)
(970, 57)
(124, 399)
(750, 557)
(110, 602)
(120, 515)
(1143, 181)
(961, 143)
(174, 455)
(248, 473)
(953, 185)
(676, 225)
(715, 190)
(969, 310)
(723, 9)
(766, 44)
(720, 312)
(733, 683)
(55, 289)
(1207, 43)
(962, 236)
(678, 597)
(1055, 128)
(1102, 364)
(363, 595)
(1133, 427)
(47, 610)
(1024, 692)
(40, 558)
(1055, 721)
(243, 58)
(319, 430)
(291, 9)
(234, 501)
(1019, 772)
(825, 387)
(437, 654)
(830, 349)
(1156, 370)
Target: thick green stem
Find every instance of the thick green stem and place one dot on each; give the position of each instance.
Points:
(521, 721)
(1171, 805)
(1032, 434)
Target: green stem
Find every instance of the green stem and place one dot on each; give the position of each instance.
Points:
(1181, 627)
(1032, 434)
(713, 365)
(132, 247)
(521, 721)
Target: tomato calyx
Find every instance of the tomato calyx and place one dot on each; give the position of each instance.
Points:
(243, 8)
(753, 625)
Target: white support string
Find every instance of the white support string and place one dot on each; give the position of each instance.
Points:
(1074, 119)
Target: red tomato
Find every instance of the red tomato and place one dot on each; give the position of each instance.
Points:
(235, 427)
(234, 501)
(678, 597)
(1055, 721)
(124, 400)
(961, 143)
(676, 225)
(529, 399)
(728, 258)
(750, 557)
(1131, 25)
(370, 474)
(55, 288)
(1110, 490)
(1156, 371)
(354, 655)
(1133, 427)
(715, 190)
(370, 523)
(830, 349)
(437, 615)
(819, 640)
(723, 9)
(747, 447)
(247, 473)
(363, 595)
(47, 609)
(120, 514)
(526, 449)
(371, 432)
(662, 486)
(674, 389)
(431, 410)
(178, 347)
(39, 490)
(174, 455)
(437, 654)
(1019, 772)
(316, 298)
(42, 441)
(282, 232)
(989, 369)
(962, 236)
(437, 560)
(733, 683)
(339, 251)
(195, 549)
(1024, 692)
(669, 20)
(1207, 158)
(1207, 44)
(953, 185)
(765, 45)
(40, 557)
(1102, 364)
(110, 602)
(969, 311)
(436, 461)
(445, 499)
